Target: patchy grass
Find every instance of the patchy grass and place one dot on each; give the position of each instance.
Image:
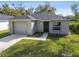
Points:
(69, 44)
(33, 48)
(4, 33)
(52, 47)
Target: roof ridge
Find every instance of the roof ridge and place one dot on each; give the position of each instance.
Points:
(31, 17)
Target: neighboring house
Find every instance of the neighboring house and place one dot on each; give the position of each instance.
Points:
(41, 22)
(4, 24)
(4, 18)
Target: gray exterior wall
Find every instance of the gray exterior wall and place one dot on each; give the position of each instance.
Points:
(64, 28)
(11, 27)
(33, 27)
(39, 26)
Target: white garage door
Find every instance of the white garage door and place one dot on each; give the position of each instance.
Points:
(20, 28)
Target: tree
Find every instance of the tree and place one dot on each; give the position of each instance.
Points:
(22, 11)
(45, 8)
(75, 11)
(6, 9)
(12, 12)
(20, 8)
(29, 11)
(70, 17)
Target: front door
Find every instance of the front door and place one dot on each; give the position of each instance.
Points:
(46, 26)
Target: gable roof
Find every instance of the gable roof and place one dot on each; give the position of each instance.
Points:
(5, 17)
(42, 16)
(47, 16)
(21, 17)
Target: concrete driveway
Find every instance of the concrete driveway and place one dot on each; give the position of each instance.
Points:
(8, 41)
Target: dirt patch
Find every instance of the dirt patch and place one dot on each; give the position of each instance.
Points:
(37, 34)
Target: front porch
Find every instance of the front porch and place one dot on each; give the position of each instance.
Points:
(49, 27)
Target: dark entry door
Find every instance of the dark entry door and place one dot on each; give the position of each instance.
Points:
(46, 26)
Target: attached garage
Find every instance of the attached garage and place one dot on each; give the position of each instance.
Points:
(20, 28)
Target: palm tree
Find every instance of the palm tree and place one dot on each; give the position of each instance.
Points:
(6, 9)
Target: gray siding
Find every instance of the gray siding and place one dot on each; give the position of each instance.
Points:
(11, 27)
(39, 26)
(33, 27)
(64, 28)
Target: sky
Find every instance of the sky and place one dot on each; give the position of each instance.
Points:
(62, 7)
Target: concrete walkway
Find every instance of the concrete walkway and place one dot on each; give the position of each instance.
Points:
(44, 36)
(8, 41)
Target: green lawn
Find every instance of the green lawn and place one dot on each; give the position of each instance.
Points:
(53, 46)
(4, 33)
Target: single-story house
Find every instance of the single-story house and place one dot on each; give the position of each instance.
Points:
(41, 22)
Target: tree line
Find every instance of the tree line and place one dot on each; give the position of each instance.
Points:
(21, 10)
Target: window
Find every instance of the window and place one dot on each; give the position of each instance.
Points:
(57, 26)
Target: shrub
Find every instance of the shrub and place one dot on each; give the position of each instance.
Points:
(74, 28)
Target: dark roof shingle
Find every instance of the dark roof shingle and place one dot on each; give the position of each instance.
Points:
(42, 16)
(47, 16)
(5, 17)
(21, 17)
